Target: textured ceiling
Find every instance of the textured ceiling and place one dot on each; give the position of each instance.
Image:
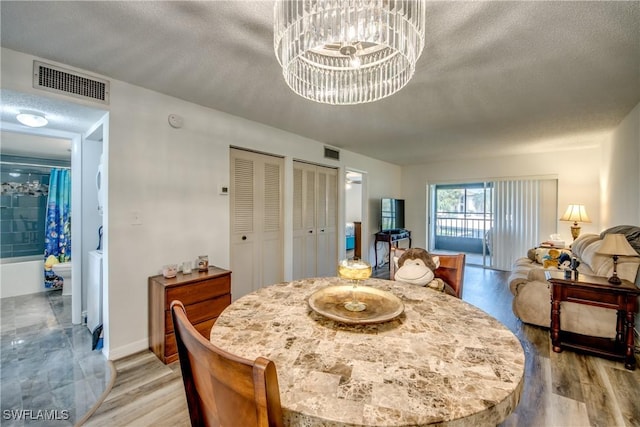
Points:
(494, 78)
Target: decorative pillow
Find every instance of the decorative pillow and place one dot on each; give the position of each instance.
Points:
(551, 257)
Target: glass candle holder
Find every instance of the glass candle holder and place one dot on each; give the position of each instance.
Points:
(170, 270)
(186, 267)
(203, 263)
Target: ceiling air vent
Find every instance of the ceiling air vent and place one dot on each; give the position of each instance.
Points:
(330, 153)
(59, 80)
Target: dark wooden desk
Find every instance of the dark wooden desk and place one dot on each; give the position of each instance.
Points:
(390, 237)
(598, 292)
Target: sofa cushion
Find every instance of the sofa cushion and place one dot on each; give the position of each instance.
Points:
(583, 241)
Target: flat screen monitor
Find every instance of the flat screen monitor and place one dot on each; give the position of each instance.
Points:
(392, 214)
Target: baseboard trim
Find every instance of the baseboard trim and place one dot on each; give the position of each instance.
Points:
(126, 350)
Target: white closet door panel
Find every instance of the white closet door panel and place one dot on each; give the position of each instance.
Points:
(298, 265)
(256, 210)
(332, 199)
(272, 272)
(242, 197)
(321, 198)
(272, 254)
(309, 255)
(327, 258)
(304, 238)
(297, 198)
(309, 197)
(272, 218)
(243, 275)
(315, 235)
(328, 212)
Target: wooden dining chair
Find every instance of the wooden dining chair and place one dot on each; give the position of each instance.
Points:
(451, 268)
(223, 389)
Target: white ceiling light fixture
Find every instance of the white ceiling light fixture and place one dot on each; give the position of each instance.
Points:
(346, 52)
(32, 119)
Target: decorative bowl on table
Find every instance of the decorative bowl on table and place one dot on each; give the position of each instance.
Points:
(353, 303)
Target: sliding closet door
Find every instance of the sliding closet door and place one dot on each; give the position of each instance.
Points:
(256, 221)
(315, 214)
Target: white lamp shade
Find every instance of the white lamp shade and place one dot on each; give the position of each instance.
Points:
(576, 213)
(616, 244)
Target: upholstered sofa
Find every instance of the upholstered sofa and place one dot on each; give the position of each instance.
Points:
(528, 284)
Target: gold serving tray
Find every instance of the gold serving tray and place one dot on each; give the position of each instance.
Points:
(382, 306)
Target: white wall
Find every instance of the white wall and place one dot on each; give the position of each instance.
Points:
(577, 172)
(620, 174)
(91, 219)
(168, 180)
(353, 202)
(171, 178)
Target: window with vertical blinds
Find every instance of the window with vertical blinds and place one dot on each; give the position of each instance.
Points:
(525, 213)
(493, 222)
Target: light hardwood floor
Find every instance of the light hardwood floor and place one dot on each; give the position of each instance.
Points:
(561, 389)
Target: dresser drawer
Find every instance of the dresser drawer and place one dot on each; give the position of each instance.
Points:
(200, 311)
(195, 292)
(203, 327)
(204, 294)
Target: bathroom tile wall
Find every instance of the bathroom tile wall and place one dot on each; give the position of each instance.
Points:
(22, 221)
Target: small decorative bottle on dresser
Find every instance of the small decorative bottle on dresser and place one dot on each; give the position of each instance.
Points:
(205, 294)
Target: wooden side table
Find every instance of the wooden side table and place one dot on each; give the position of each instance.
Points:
(598, 292)
(390, 237)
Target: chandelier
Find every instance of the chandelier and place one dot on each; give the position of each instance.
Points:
(345, 52)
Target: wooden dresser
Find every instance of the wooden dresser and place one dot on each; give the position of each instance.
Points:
(204, 295)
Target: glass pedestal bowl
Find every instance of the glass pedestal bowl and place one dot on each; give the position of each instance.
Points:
(355, 270)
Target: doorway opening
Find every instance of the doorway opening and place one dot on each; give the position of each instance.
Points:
(353, 214)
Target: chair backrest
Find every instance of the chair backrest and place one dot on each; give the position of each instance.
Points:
(223, 389)
(451, 268)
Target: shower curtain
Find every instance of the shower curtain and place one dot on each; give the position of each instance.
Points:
(57, 239)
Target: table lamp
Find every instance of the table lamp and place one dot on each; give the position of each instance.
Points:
(575, 213)
(616, 245)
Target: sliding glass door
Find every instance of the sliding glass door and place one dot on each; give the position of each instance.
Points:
(493, 222)
(462, 216)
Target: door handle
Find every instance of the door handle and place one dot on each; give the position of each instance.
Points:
(310, 231)
(244, 237)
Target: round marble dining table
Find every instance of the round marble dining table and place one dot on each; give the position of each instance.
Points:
(441, 362)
